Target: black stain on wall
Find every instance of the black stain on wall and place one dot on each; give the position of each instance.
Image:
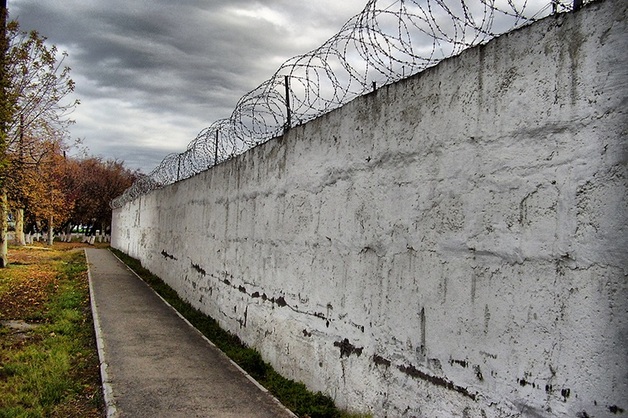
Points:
(166, 255)
(412, 371)
(280, 301)
(199, 269)
(242, 321)
(478, 372)
(565, 393)
(346, 348)
(615, 409)
(423, 336)
(381, 361)
(462, 363)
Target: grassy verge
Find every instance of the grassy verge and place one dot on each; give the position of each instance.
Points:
(48, 358)
(293, 395)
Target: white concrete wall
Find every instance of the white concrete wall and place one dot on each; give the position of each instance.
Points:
(452, 245)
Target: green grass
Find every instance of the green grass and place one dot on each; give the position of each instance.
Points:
(52, 370)
(294, 395)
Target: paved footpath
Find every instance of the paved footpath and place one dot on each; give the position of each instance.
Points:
(153, 363)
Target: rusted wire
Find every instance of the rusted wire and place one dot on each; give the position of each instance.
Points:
(386, 42)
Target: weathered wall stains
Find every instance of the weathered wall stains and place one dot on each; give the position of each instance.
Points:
(451, 245)
(347, 349)
(410, 370)
(165, 254)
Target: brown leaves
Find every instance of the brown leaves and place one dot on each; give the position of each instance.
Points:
(27, 293)
(25, 286)
(56, 355)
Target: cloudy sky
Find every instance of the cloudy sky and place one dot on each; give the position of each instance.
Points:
(151, 74)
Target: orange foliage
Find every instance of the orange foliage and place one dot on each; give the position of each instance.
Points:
(27, 287)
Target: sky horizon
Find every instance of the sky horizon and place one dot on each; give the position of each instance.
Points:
(152, 75)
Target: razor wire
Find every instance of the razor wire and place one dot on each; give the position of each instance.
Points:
(377, 47)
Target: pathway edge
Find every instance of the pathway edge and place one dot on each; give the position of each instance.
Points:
(109, 398)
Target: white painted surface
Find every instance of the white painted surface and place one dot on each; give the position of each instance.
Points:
(452, 245)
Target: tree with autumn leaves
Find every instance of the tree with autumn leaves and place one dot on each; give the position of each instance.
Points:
(35, 186)
(38, 183)
(91, 183)
(34, 123)
(60, 192)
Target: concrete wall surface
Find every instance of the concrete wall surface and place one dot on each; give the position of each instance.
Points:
(455, 244)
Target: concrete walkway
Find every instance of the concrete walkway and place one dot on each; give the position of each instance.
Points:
(153, 363)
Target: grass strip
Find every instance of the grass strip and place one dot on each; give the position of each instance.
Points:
(51, 369)
(294, 395)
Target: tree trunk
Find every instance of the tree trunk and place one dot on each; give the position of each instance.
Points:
(68, 232)
(51, 232)
(19, 227)
(4, 214)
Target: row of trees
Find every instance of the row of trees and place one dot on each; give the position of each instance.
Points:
(39, 185)
(57, 193)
